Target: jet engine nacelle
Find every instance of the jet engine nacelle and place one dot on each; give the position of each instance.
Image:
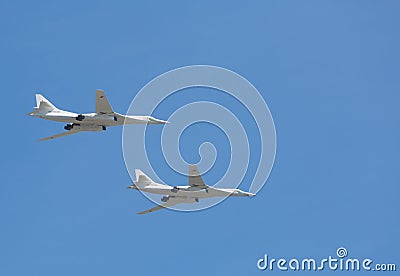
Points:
(84, 127)
(180, 199)
(68, 127)
(80, 117)
(164, 199)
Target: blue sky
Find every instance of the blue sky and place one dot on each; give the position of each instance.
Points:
(328, 71)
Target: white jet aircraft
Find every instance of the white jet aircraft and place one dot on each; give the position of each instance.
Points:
(196, 190)
(103, 117)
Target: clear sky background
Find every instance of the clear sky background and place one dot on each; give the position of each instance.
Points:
(329, 71)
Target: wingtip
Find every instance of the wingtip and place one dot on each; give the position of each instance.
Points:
(142, 213)
(46, 138)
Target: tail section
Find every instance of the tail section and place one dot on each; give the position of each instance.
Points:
(102, 104)
(43, 105)
(142, 179)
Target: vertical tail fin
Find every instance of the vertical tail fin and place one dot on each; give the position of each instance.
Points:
(141, 178)
(44, 104)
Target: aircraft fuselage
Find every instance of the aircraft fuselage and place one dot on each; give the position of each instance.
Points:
(190, 192)
(113, 119)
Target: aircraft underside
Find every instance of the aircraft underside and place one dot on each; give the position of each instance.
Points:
(177, 192)
(83, 119)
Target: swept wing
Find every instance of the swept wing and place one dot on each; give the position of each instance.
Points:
(66, 133)
(159, 207)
